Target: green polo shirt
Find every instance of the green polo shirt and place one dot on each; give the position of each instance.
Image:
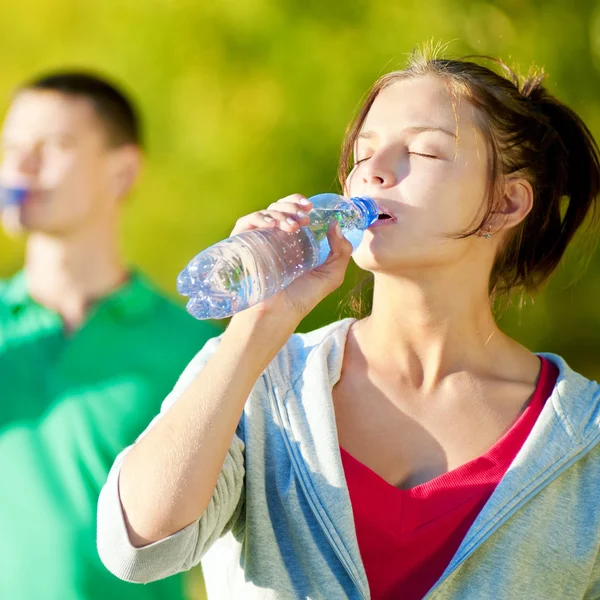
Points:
(69, 404)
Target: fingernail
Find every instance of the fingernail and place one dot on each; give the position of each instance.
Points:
(291, 221)
(338, 231)
(301, 214)
(267, 219)
(304, 202)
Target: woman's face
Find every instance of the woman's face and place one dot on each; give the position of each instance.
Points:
(425, 161)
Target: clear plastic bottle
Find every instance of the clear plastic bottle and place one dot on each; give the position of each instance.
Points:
(247, 268)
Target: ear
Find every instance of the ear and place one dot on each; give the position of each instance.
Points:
(516, 204)
(125, 166)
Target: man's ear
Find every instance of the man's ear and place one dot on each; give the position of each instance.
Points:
(516, 204)
(125, 166)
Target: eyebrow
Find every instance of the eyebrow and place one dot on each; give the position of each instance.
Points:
(415, 130)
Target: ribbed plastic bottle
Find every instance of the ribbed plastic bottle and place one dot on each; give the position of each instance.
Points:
(247, 268)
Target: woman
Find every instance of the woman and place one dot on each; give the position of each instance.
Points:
(417, 452)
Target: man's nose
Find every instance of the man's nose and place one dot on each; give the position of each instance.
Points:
(28, 160)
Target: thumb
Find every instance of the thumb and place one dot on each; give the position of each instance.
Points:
(341, 248)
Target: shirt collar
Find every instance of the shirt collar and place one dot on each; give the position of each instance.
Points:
(14, 291)
(133, 300)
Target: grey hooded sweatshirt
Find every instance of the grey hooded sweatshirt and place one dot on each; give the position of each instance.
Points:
(280, 523)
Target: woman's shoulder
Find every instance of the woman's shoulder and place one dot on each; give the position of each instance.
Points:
(330, 337)
(576, 399)
(322, 348)
(335, 330)
(567, 374)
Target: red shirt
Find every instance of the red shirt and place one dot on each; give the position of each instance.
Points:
(407, 538)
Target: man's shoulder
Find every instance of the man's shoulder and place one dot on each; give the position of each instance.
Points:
(4, 286)
(13, 288)
(171, 317)
(176, 316)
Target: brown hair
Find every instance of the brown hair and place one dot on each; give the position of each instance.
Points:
(528, 131)
(115, 110)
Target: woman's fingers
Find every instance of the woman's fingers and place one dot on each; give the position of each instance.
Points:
(256, 220)
(288, 214)
(266, 219)
(284, 217)
(297, 199)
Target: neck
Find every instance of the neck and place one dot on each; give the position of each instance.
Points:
(424, 330)
(68, 274)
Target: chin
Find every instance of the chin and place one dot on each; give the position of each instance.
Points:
(18, 222)
(368, 262)
(372, 255)
(385, 260)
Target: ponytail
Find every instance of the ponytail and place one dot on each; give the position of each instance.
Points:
(564, 169)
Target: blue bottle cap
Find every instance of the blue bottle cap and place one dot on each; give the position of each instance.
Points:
(368, 207)
(12, 196)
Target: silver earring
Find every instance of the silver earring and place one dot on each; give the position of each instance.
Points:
(487, 235)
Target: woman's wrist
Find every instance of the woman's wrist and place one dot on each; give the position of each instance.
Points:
(259, 335)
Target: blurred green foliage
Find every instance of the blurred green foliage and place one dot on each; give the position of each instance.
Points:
(246, 101)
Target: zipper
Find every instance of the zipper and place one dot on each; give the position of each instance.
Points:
(309, 491)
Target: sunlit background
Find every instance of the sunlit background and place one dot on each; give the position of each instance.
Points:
(245, 101)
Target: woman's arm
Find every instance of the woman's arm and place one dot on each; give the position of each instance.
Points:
(168, 477)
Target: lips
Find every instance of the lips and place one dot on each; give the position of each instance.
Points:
(385, 217)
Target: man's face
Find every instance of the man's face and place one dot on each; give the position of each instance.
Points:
(55, 146)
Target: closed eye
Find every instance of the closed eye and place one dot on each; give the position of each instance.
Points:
(357, 162)
(424, 155)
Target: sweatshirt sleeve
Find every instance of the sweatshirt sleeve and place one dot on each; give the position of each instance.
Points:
(183, 549)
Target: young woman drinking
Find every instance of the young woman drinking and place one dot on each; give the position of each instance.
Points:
(419, 451)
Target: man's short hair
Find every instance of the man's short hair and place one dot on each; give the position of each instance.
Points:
(116, 112)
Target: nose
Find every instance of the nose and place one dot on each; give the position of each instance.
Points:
(381, 170)
(21, 161)
(29, 160)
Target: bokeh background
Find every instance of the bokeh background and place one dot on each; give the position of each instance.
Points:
(246, 101)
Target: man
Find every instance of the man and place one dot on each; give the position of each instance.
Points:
(88, 348)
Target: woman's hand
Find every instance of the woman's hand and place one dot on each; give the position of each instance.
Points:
(295, 301)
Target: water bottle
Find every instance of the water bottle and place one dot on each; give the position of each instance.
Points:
(247, 268)
(10, 196)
